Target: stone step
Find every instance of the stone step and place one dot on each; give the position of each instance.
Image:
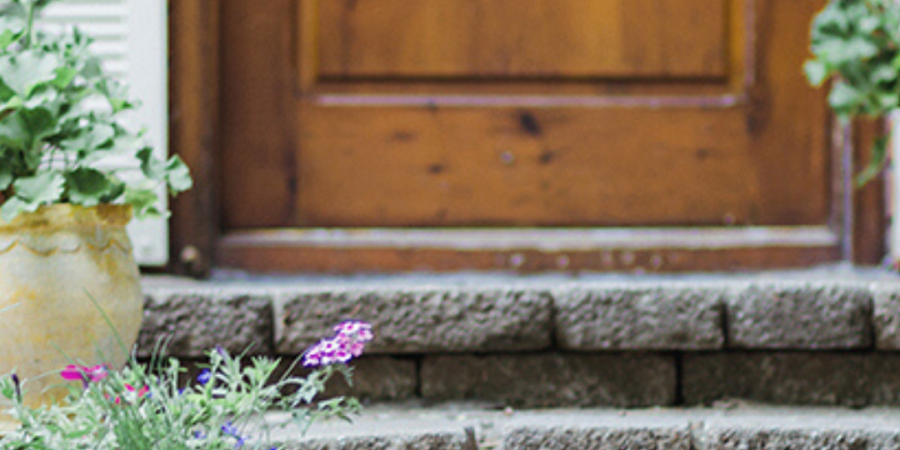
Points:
(471, 428)
(809, 310)
(822, 337)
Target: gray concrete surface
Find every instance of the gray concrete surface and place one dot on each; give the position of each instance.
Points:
(746, 427)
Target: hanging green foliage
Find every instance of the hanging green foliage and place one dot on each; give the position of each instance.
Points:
(856, 44)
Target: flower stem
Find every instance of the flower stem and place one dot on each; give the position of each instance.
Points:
(29, 31)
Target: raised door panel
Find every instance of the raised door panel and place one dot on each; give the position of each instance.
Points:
(507, 39)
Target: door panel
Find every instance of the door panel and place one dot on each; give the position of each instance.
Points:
(519, 114)
(476, 155)
(556, 39)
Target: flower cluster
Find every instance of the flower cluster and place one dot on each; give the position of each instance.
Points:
(348, 342)
(148, 406)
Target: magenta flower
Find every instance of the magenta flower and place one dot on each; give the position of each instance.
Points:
(140, 392)
(84, 374)
(348, 342)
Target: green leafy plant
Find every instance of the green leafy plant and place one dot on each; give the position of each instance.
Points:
(62, 122)
(856, 43)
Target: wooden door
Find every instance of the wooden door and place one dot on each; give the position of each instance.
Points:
(649, 135)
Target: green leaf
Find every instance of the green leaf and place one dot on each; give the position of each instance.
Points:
(6, 93)
(816, 72)
(47, 99)
(15, 206)
(7, 171)
(883, 73)
(24, 129)
(11, 29)
(144, 201)
(116, 94)
(114, 192)
(64, 77)
(90, 139)
(178, 175)
(7, 37)
(152, 167)
(845, 100)
(27, 70)
(877, 164)
(92, 68)
(14, 132)
(87, 187)
(857, 48)
(43, 188)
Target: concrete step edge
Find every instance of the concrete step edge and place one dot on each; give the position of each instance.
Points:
(602, 429)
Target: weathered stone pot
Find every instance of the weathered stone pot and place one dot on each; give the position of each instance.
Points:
(53, 262)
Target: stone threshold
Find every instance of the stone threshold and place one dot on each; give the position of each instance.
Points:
(461, 427)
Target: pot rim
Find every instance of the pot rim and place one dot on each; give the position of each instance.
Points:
(67, 216)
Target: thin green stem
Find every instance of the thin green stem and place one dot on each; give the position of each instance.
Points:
(29, 31)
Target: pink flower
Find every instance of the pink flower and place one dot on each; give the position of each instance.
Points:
(140, 393)
(131, 389)
(84, 374)
(348, 342)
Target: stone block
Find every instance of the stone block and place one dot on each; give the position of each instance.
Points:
(597, 430)
(426, 441)
(611, 317)
(599, 438)
(800, 316)
(381, 429)
(193, 321)
(811, 429)
(420, 320)
(886, 314)
(543, 380)
(793, 378)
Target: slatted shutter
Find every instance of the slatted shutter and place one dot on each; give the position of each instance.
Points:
(131, 38)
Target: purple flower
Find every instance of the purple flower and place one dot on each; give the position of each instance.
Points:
(204, 376)
(230, 430)
(348, 342)
(17, 385)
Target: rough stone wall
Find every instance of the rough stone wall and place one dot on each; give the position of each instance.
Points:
(815, 342)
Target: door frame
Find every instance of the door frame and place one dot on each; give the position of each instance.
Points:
(856, 230)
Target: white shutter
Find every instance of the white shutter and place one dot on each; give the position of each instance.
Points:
(131, 37)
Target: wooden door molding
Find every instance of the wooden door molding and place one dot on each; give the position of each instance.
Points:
(197, 125)
(528, 251)
(194, 76)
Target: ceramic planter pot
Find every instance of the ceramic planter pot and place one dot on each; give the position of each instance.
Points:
(52, 263)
